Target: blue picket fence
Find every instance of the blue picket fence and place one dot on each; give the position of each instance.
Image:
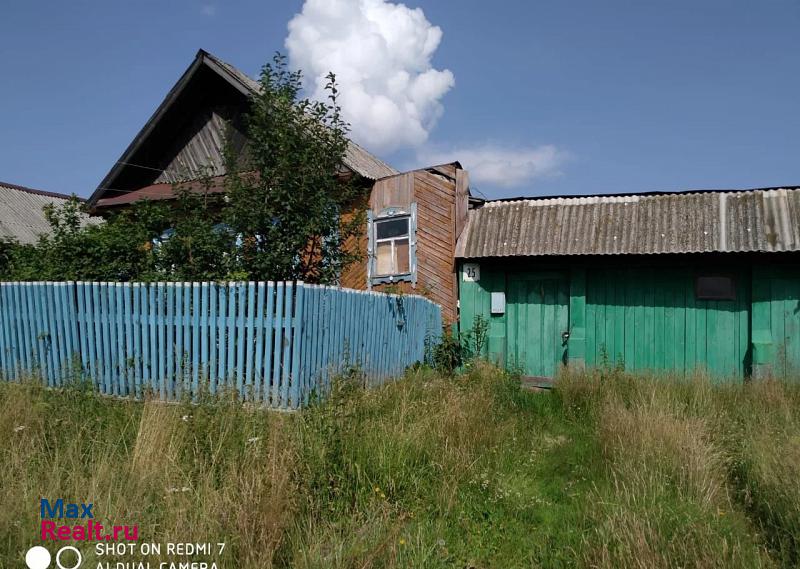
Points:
(275, 343)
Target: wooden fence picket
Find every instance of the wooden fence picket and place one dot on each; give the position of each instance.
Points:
(276, 343)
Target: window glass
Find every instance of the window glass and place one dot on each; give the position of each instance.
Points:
(383, 258)
(715, 287)
(401, 253)
(391, 239)
(389, 228)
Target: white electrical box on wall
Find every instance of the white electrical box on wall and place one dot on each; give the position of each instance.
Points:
(472, 272)
(498, 303)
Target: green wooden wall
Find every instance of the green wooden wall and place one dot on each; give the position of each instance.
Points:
(776, 321)
(648, 318)
(474, 299)
(538, 313)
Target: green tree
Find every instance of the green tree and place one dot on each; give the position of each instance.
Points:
(117, 250)
(280, 218)
(196, 247)
(7, 248)
(288, 189)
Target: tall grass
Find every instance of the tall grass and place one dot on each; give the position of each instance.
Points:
(608, 470)
(698, 474)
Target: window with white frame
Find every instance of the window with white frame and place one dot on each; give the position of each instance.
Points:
(392, 245)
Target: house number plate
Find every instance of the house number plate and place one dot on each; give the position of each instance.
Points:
(472, 272)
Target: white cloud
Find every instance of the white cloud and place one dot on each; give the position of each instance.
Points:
(502, 166)
(381, 55)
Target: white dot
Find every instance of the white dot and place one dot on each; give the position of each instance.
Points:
(37, 557)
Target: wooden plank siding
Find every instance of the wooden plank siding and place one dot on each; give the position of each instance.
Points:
(644, 314)
(197, 149)
(440, 194)
(435, 196)
(669, 329)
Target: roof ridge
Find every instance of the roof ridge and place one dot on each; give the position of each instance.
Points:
(249, 82)
(37, 192)
(647, 194)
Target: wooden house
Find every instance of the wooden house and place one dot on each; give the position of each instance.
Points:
(185, 138)
(663, 281)
(414, 218)
(659, 281)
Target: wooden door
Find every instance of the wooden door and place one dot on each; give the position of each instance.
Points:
(537, 318)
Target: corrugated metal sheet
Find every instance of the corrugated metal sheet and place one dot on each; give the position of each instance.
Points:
(691, 222)
(21, 215)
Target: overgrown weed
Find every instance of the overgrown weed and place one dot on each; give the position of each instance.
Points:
(434, 470)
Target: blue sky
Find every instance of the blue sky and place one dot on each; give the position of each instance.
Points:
(535, 98)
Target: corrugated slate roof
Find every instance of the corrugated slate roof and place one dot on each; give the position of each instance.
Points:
(690, 222)
(21, 214)
(248, 82)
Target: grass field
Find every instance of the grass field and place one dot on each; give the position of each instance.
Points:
(608, 470)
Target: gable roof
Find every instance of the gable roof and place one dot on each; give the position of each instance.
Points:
(21, 214)
(356, 158)
(677, 222)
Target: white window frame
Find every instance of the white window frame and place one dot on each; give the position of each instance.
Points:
(373, 220)
(393, 241)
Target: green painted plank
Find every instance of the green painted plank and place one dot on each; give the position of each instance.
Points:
(592, 301)
(659, 324)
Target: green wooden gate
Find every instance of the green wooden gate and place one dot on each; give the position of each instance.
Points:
(537, 318)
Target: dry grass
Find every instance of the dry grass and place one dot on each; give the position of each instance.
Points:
(668, 474)
(764, 435)
(610, 470)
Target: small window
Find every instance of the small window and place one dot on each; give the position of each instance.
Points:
(715, 287)
(391, 246)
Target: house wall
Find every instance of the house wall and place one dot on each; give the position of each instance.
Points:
(650, 319)
(643, 314)
(440, 195)
(776, 320)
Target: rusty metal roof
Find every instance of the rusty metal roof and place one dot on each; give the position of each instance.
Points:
(635, 224)
(166, 191)
(21, 212)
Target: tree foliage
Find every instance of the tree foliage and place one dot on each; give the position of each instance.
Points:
(279, 219)
(75, 250)
(288, 191)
